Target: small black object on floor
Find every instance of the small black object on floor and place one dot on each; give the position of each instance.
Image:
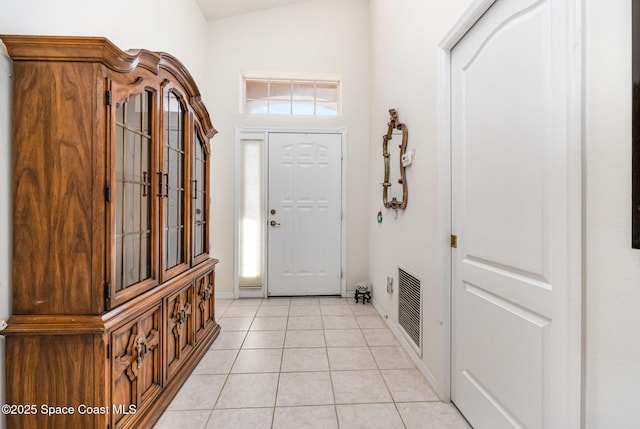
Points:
(366, 296)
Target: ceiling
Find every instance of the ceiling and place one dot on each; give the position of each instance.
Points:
(215, 9)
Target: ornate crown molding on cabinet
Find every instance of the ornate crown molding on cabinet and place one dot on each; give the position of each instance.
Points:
(113, 285)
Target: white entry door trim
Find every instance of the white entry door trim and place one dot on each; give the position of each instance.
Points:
(259, 133)
(571, 402)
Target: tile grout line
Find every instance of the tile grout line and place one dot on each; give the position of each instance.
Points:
(226, 379)
(361, 325)
(275, 399)
(333, 390)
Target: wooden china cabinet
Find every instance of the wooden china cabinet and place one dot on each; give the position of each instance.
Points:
(113, 285)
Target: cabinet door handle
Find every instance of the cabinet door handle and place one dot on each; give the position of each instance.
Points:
(145, 183)
(142, 350)
(160, 183)
(163, 180)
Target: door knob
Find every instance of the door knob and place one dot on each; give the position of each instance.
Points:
(274, 223)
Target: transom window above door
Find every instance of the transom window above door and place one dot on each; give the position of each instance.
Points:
(292, 94)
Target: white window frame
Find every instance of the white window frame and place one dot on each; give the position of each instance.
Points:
(291, 78)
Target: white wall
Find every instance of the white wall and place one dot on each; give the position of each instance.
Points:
(315, 36)
(404, 35)
(174, 26)
(612, 286)
(404, 38)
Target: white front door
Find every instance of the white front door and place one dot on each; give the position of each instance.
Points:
(512, 214)
(304, 214)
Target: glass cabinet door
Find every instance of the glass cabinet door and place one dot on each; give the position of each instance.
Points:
(172, 180)
(200, 198)
(133, 224)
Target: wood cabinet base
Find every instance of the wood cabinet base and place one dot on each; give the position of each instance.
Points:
(106, 371)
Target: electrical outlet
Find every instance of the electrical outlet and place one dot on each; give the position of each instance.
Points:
(389, 284)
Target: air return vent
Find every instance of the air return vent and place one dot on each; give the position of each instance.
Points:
(410, 307)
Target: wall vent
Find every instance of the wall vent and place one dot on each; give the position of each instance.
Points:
(410, 308)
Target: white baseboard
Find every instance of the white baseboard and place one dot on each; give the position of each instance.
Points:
(409, 350)
(224, 295)
(251, 292)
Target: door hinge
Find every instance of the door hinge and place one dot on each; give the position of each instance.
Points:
(341, 273)
(108, 351)
(454, 241)
(341, 215)
(107, 194)
(107, 290)
(108, 97)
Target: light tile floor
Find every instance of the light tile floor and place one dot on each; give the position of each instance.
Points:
(311, 362)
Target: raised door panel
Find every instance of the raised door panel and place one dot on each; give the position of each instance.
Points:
(173, 176)
(133, 202)
(54, 251)
(180, 310)
(205, 314)
(136, 366)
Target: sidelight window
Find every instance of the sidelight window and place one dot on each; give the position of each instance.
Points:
(251, 213)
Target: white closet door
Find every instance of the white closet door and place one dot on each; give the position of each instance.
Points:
(510, 169)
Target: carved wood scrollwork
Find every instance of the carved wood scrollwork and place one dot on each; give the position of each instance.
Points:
(125, 361)
(206, 290)
(138, 348)
(145, 345)
(181, 313)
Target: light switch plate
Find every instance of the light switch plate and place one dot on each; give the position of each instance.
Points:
(407, 158)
